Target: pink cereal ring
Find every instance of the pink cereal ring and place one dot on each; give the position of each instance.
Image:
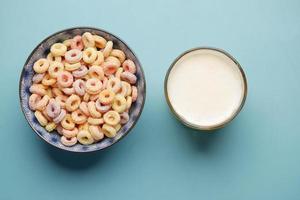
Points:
(53, 108)
(33, 100)
(59, 129)
(128, 77)
(77, 43)
(104, 84)
(109, 68)
(60, 117)
(128, 65)
(68, 91)
(102, 108)
(70, 133)
(82, 71)
(134, 93)
(124, 118)
(37, 78)
(64, 79)
(79, 87)
(73, 56)
(37, 89)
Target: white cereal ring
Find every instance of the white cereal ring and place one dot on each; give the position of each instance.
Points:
(84, 137)
(111, 118)
(41, 65)
(58, 49)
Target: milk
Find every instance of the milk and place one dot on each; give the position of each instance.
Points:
(205, 88)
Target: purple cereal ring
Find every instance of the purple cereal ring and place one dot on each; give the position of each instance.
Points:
(60, 117)
(82, 71)
(53, 108)
(124, 118)
(37, 78)
(128, 77)
(79, 87)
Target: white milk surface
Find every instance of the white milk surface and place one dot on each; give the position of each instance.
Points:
(205, 88)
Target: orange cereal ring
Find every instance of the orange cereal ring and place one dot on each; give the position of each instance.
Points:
(100, 42)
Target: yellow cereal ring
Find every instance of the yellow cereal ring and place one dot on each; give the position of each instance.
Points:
(55, 68)
(119, 54)
(84, 126)
(58, 49)
(68, 141)
(106, 96)
(96, 72)
(41, 118)
(67, 43)
(41, 105)
(114, 84)
(88, 39)
(109, 131)
(72, 67)
(89, 55)
(52, 58)
(73, 102)
(94, 97)
(93, 86)
(84, 108)
(100, 58)
(128, 86)
(57, 92)
(119, 72)
(111, 118)
(86, 97)
(123, 90)
(50, 127)
(118, 127)
(92, 110)
(84, 137)
(67, 122)
(49, 92)
(78, 117)
(100, 42)
(95, 121)
(107, 49)
(96, 132)
(119, 104)
(48, 80)
(41, 65)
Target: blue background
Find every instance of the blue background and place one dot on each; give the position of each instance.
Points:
(255, 157)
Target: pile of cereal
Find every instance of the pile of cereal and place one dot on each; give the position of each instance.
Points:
(83, 89)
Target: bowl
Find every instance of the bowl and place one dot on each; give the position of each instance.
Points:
(41, 50)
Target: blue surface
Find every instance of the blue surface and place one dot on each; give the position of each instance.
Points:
(256, 157)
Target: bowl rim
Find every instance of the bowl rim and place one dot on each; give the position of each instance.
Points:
(181, 119)
(70, 29)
